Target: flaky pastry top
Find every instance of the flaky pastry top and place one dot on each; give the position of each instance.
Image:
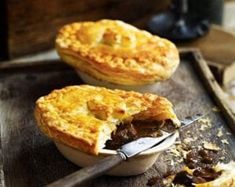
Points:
(114, 48)
(85, 116)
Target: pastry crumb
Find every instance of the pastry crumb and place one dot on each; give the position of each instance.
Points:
(210, 146)
(215, 109)
(225, 141)
(172, 163)
(188, 140)
(175, 152)
(181, 149)
(222, 158)
(178, 142)
(205, 123)
(220, 132)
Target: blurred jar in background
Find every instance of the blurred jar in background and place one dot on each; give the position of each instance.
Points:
(207, 9)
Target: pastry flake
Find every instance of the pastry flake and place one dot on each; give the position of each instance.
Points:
(117, 52)
(84, 117)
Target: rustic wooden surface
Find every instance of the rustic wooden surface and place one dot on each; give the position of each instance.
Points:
(32, 25)
(31, 159)
(217, 46)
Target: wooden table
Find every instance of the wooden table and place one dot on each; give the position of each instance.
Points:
(28, 158)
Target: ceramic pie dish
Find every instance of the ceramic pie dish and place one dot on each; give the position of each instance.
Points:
(114, 52)
(98, 82)
(135, 166)
(88, 123)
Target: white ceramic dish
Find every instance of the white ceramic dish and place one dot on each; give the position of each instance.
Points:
(137, 165)
(96, 82)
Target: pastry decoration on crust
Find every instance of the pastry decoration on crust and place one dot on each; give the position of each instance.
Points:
(87, 117)
(117, 52)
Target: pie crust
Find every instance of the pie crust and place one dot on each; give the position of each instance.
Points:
(117, 52)
(84, 116)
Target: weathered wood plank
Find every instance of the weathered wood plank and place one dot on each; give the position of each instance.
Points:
(214, 88)
(31, 159)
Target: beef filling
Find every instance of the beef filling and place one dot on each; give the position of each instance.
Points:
(200, 175)
(135, 129)
(202, 162)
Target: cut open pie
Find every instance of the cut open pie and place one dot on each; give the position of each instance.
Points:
(117, 52)
(85, 117)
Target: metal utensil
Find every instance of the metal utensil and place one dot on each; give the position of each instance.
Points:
(124, 153)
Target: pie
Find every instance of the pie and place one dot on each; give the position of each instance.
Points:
(116, 52)
(86, 117)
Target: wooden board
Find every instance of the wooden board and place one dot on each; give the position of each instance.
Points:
(28, 158)
(216, 46)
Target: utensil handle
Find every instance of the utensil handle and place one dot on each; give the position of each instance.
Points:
(83, 175)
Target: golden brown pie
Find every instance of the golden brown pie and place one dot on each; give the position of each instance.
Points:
(84, 117)
(117, 52)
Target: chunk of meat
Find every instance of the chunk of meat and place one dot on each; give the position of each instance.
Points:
(135, 129)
